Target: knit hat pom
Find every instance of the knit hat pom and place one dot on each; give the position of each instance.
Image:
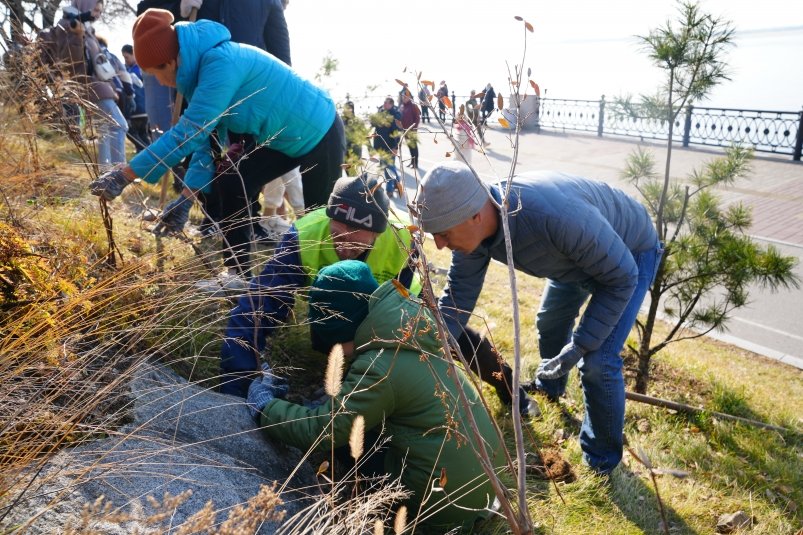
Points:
(155, 39)
(338, 302)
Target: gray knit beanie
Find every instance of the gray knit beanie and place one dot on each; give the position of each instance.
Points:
(449, 195)
(359, 203)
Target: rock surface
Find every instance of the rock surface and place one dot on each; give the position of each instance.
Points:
(182, 437)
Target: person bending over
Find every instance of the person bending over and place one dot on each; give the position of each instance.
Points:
(589, 240)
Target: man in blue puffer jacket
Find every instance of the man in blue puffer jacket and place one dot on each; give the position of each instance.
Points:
(259, 23)
(285, 121)
(587, 239)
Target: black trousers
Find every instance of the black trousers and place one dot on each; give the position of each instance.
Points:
(139, 132)
(412, 145)
(424, 113)
(230, 202)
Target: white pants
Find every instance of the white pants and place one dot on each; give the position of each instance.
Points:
(288, 185)
(464, 144)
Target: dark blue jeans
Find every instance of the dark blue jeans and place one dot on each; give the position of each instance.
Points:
(601, 435)
(390, 173)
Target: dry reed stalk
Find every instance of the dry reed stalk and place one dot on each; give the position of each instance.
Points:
(400, 523)
(357, 437)
(334, 371)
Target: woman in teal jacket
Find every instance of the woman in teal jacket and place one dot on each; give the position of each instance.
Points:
(400, 383)
(278, 119)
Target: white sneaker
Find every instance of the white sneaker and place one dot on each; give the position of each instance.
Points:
(225, 283)
(275, 224)
(210, 231)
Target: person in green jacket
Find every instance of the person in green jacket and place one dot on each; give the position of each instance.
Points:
(398, 379)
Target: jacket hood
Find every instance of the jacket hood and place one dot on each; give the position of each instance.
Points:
(194, 40)
(395, 321)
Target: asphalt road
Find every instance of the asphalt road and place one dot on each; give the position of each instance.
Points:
(772, 323)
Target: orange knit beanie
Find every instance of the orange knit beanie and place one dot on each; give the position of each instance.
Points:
(155, 39)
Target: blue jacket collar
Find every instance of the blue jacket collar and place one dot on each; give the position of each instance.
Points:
(498, 239)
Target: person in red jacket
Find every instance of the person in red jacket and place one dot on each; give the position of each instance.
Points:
(410, 119)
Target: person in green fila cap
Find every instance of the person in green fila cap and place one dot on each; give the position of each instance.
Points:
(352, 226)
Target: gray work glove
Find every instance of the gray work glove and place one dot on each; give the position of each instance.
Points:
(261, 392)
(187, 6)
(174, 216)
(109, 185)
(559, 366)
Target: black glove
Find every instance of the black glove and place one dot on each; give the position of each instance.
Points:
(484, 360)
(174, 216)
(109, 185)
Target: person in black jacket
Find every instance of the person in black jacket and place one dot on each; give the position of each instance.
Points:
(386, 141)
(443, 91)
(258, 23)
(488, 102)
(138, 127)
(423, 102)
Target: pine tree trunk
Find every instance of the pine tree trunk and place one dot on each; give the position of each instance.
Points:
(645, 351)
(643, 371)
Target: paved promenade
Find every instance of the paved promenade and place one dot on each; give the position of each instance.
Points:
(773, 323)
(774, 188)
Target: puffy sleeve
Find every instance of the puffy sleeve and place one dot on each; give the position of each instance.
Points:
(463, 286)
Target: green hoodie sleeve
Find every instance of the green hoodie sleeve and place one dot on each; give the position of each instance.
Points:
(366, 390)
